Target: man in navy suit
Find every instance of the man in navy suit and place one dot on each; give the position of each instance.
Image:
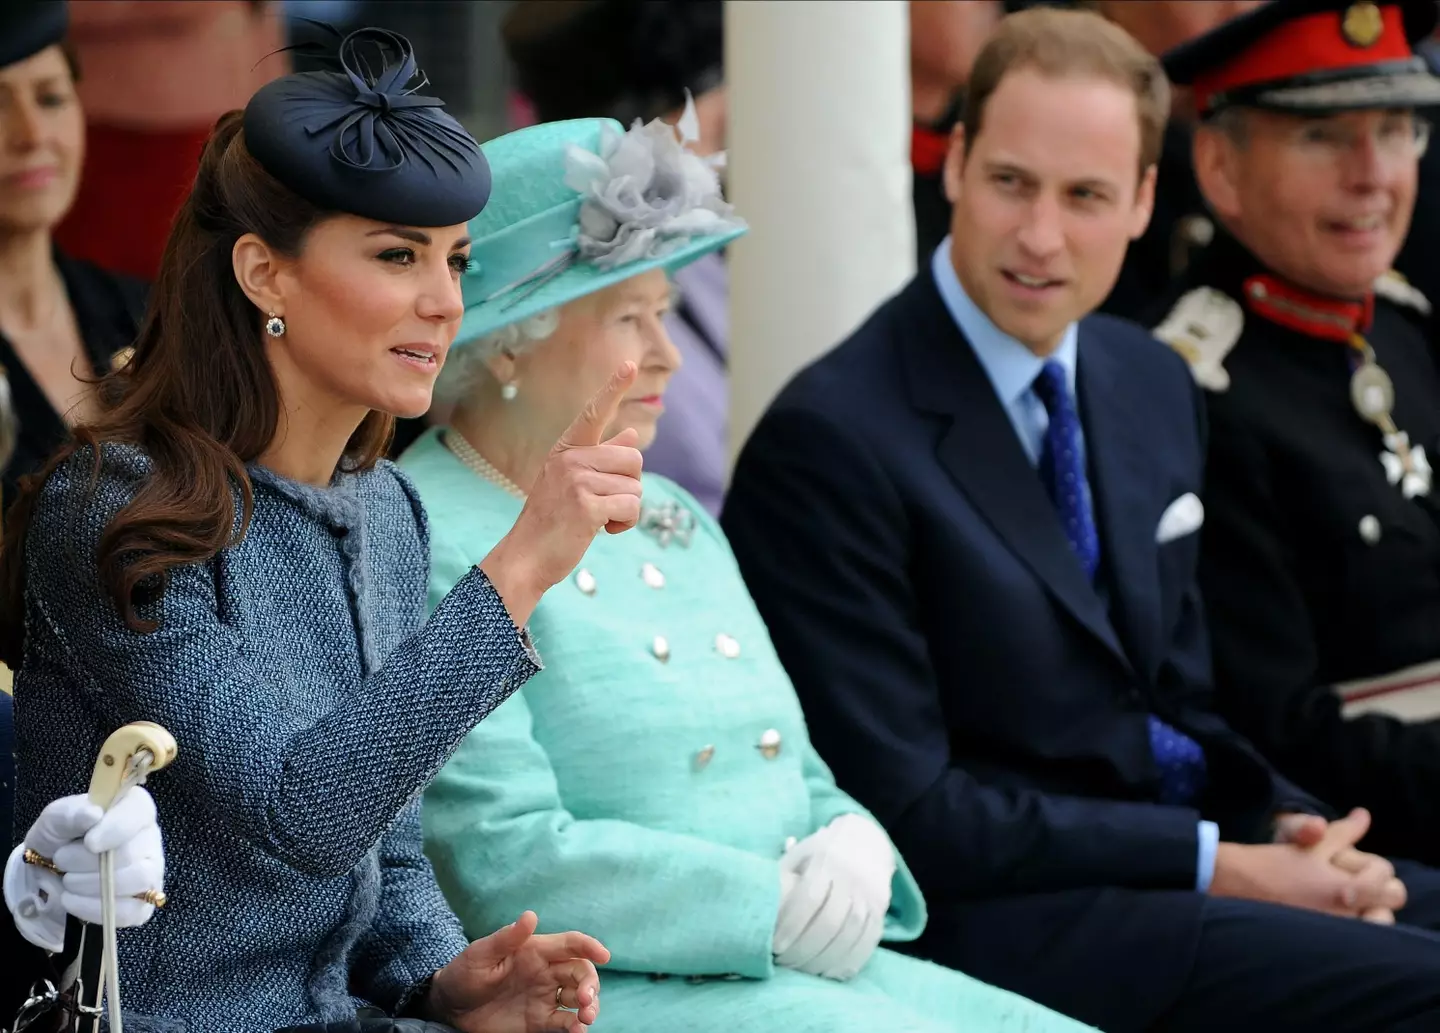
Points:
(971, 529)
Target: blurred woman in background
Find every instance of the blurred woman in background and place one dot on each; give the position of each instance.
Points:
(62, 322)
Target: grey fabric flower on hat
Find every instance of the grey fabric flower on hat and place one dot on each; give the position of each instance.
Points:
(646, 193)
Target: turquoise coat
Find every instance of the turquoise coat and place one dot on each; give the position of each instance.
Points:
(644, 785)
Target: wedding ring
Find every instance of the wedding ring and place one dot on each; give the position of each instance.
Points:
(156, 898)
(559, 990)
(39, 860)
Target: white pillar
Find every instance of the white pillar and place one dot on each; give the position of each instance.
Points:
(819, 164)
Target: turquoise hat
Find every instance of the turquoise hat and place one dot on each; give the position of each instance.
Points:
(580, 205)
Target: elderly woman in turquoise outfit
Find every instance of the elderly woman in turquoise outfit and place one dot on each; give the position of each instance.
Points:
(655, 783)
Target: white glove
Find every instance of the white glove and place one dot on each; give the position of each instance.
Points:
(824, 927)
(73, 833)
(854, 845)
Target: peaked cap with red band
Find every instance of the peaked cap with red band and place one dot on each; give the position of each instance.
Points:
(1311, 57)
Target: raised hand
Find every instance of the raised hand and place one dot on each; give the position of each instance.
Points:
(513, 981)
(586, 484)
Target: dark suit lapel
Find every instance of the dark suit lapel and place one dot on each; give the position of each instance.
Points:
(982, 453)
(1119, 477)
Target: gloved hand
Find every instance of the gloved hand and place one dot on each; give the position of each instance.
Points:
(72, 833)
(855, 845)
(824, 927)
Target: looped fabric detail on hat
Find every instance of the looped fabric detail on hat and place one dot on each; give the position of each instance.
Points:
(363, 139)
(381, 134)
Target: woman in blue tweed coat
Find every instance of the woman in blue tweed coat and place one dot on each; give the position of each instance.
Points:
(655, 784)
(221, 552)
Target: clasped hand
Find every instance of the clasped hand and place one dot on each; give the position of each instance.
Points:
(1314, 864)
(1373, 892)
(835, 893)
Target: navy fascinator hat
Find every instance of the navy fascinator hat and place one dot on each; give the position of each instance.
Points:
(362, 140)
(29, 26)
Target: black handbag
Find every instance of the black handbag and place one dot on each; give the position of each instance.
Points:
(48, 990)
(50, 1003)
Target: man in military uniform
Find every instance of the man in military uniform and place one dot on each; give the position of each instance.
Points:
(1180, 225)
(1321, 547)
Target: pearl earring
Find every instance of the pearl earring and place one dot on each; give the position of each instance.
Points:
(275, 326)
(509, 391)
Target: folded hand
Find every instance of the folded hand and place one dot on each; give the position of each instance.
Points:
(1374, 893)
(855, 846)
(825, 927)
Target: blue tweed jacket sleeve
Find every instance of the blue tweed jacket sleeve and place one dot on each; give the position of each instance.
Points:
(284, 751)
(414, 933)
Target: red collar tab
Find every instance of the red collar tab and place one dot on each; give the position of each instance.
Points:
(928, 148)
(1328, 41)
(1311, 314)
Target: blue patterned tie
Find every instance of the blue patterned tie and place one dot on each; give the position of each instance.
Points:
(1179, 758)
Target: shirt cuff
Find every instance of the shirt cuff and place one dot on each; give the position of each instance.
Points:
(1209, 837)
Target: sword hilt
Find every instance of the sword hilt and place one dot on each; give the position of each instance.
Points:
(129, 754)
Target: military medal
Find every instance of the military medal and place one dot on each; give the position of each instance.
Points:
(1406, 465)
(1372, 393)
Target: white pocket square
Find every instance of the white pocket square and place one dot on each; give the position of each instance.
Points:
(1183, 516)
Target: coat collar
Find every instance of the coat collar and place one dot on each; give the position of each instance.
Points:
(339, 506)
(1231, 267)
(1011, 367)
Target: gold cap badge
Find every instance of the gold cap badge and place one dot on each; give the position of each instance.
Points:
(1363, 24)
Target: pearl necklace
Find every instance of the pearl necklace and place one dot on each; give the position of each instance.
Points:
(465, 452)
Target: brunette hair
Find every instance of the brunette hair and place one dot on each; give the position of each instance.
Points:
(1058, 43)
(72, 59)
(198, 395)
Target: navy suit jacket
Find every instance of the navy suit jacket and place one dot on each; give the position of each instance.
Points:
(958, 670)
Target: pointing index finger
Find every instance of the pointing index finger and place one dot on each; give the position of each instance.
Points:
(589, 426)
